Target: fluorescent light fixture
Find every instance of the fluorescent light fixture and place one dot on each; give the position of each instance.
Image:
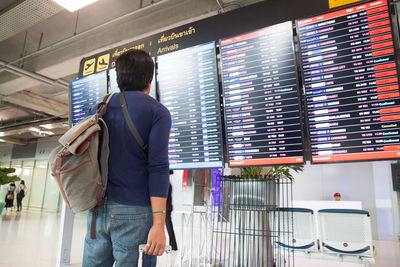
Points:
(2, 140)
(47, 126)
(33, 129)
(1, 133)
(40, 132)
(48, 132)
(73, 5)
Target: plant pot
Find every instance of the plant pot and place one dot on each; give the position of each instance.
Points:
(253, 194)
(251, 201)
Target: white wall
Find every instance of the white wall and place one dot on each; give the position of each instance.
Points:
(368, 182)
(384, 200)
(5, 152)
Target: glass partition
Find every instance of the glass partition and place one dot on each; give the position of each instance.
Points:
(26, 175)
(42, 190)
(52, 201)
(38, 184)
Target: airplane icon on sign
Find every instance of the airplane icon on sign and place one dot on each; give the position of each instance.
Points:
(89, 65)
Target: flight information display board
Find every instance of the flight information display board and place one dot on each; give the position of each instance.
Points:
(188, 87)
(261, 95)
(85, 93)
(115, 89)
(351, 84)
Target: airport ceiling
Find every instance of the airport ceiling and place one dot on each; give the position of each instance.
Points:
(41, 45)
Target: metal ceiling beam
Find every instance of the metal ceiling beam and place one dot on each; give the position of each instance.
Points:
(38, 77)
(35, 102)
(220, 6)
(11, 140)
(15, 128)
(15, 131)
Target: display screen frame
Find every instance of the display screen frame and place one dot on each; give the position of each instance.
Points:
(298, 100)
(70, 106)
(396, 43)
(220, 115)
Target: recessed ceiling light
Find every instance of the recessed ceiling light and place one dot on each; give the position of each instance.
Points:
(73, 5)
(48, 132)
(40, 132)
(47, 126)
(33, 129)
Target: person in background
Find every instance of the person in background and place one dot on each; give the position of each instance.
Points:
(10, 195)
(20, 194)
(337, 196)
(135, 205)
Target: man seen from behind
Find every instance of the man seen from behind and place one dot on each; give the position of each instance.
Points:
(134, 210)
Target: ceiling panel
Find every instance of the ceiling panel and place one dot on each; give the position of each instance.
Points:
(6, 4)
(62, 98)
(25, 15)
(6, 76)
(13, 114)
(45, 90)
(103, 11)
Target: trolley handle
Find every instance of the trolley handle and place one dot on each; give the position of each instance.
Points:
(167, 249)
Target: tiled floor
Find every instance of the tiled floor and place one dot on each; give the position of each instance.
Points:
(31, 239)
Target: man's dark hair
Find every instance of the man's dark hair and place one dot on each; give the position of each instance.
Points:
(135, 69)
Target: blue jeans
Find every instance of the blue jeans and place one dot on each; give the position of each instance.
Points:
(120, 229)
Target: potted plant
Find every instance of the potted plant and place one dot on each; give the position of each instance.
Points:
(253, 195)
(7, 176)
(256, 187)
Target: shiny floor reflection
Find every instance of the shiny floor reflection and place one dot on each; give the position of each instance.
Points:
(30, 238)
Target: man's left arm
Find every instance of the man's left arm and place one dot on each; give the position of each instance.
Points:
(156, 238)
(158, 167)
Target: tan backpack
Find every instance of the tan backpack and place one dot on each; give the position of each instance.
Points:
(75, 163)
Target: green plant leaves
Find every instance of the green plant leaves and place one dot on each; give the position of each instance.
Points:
(252, 172)
(274, 172)
(277, 171)
(6, 178)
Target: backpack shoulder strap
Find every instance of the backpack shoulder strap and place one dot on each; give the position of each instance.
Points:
(131, 125)
(102, 106)
(105, 150)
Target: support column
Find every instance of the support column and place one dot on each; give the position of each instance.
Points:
(65, 237)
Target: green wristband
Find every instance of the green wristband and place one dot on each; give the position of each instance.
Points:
(161, 211)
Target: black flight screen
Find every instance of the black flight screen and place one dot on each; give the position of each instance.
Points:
(261, 95)
(85, 93)
(188, 87)
(351, 84)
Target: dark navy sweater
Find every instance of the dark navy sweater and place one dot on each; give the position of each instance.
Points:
(131, 178)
